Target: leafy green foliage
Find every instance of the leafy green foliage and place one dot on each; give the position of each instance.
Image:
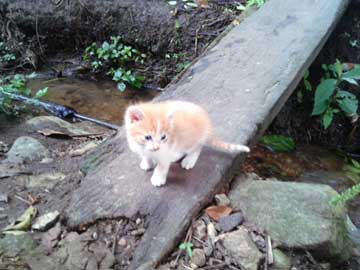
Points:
(346, 195)
(330, 98)
(6, 55)
(113, 57)
(188, 247)
(251, 3)
(278, 143)
(181, 66)
(352, 170)
(16, 84)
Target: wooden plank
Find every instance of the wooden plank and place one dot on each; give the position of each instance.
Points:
(243, 82)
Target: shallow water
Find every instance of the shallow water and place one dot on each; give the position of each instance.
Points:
(98, 100)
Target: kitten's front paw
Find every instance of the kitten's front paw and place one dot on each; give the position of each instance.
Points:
(157, 180)
(146, 164)
(188, 162)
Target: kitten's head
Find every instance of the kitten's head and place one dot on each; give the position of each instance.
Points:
(147, 126)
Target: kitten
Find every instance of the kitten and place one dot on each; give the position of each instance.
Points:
(165, 132)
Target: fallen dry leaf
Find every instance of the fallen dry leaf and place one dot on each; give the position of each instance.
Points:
(203, 3)
(217, 211)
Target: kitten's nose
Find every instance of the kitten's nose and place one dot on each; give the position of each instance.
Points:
(155, 147)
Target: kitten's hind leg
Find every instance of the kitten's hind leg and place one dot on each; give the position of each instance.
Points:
(190, 159)
(146, 163)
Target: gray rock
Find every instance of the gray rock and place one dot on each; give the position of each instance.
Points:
(199, 229)
(55, 123)
(122, 242)
(14, 245)
(211, 231)
(4, 198)
(26, 148)
(45, 221)
(281, 260)
(242, 249)
(222, 199)
(296, 215)
(228, 223)
(198, 257)
(46, 180)
(50, 238)
(3, 147)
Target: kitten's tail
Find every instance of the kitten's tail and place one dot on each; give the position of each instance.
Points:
(229, 147)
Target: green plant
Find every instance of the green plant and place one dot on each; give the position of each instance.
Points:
(353, 43)
(278, 143)
(352, 170)
(6, 55)
(251, 3)
(113, 57)
(329, 96)
(346, 195)
(188, 247)
(307, 86)
(181, 66)
(16, 84)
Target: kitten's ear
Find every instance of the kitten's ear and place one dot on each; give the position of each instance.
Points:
(134, 114)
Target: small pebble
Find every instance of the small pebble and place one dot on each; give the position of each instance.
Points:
(122, 242)
(208, 250)
(138, 221)
(228, 223)
(198, 257)
(138, 232)
(199, 229)
(4, 198)
(173, 264)
(211, 232)
(108, 229)
(222, 199)
(94, 236)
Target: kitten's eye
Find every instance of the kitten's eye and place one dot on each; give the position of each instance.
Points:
(148, 137)
(163, 137)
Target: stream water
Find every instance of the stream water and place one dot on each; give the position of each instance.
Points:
(99, 100)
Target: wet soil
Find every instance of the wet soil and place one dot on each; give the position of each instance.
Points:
(170, 35)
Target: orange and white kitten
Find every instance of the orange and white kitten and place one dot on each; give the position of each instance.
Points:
(165, 132)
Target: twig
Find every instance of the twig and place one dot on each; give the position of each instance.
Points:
(269, 260)
(115, 237)
(216, 266)
(196, 40)
(37, 34)
(200, 241)
(311, 258)
(213, 22)
(187, 267)
(22, 199)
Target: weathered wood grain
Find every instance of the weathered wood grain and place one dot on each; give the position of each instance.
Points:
(243, 81)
